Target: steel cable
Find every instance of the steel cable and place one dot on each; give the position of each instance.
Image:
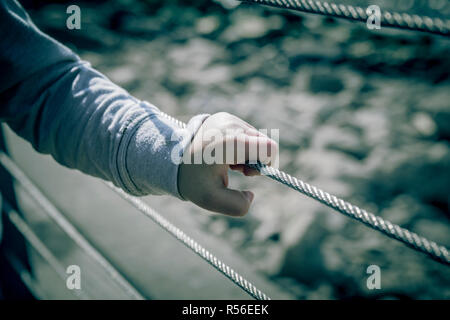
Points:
(235, 277)
(349, 12)
(411, 239)
(243, 283)
(39, 246)
(65, 225)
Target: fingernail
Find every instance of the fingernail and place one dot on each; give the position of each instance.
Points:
(249, 195)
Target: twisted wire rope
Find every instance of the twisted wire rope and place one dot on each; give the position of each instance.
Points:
(181, 236)
(388, 19)
(411, 239)
(223, 268)
(52, 212)
(40, 247)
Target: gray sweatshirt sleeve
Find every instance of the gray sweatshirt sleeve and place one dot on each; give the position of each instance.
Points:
(69, 110)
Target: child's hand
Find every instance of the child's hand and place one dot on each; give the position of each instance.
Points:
(207, 185)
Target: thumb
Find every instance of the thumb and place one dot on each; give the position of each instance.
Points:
(231, 202)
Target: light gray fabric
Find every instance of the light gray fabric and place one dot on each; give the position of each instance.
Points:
(69, 110)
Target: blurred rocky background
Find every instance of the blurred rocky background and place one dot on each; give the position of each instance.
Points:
(362, 114)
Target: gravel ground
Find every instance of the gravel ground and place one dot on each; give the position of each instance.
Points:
(362, 114)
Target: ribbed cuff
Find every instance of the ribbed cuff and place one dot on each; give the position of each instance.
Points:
(148, 152)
